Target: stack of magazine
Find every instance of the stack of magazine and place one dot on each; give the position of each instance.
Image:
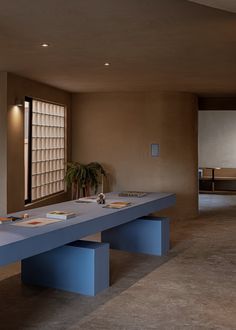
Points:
(62, 215)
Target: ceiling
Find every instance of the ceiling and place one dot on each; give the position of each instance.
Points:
(174, 45)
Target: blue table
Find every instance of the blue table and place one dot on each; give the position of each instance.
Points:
(17, 243)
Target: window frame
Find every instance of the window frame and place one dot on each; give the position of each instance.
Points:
(28, 200)
(30, 100)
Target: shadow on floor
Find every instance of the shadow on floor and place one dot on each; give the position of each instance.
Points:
(26, 307)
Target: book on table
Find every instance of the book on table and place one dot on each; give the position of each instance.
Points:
(62, 215)
(90, 199)
(132, 194)
(8, 219)
(38, 222)
(117, 205)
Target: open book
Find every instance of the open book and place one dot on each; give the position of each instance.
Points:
(39, 222)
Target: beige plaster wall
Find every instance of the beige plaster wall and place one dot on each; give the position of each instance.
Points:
(117, 129)
(18, 87)
(3, 143)
(217, 139)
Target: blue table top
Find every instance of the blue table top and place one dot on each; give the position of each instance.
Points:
(17, 242)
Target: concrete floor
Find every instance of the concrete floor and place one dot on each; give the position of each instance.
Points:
(193, 288)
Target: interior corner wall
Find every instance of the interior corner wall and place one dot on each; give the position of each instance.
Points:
(3, 143)
(19, 87)
(117, 129)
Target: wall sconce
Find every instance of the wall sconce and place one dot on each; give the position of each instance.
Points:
(18, 102)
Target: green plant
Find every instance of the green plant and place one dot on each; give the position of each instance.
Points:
(84, 177)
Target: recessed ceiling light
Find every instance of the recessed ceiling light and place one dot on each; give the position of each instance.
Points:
(106, 64)
(44, 44)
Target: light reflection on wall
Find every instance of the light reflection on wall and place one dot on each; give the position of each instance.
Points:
(16, 116)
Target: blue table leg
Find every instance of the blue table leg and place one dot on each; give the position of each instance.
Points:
(148, 235)
(81, 267)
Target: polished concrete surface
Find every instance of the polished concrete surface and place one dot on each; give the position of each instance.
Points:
(194, 287)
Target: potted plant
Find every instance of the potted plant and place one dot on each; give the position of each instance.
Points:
(84, 177)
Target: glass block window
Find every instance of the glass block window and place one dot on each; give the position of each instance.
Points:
(47, 149)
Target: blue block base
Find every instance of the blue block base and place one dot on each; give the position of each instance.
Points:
(81, 267)
(150, 235)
